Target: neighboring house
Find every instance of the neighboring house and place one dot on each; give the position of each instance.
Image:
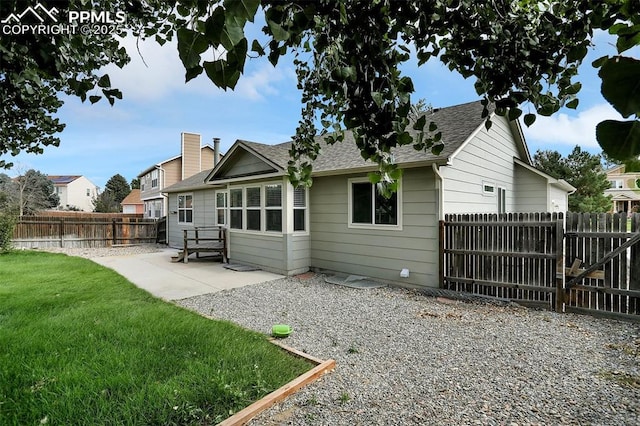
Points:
(75, 192)
(625, 189)
(341, 224)
(193, 159)
(132, 203)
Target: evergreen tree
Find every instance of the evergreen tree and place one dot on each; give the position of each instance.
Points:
(582, 170)
(118, 187)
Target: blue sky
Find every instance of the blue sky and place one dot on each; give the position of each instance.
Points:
(144, 128)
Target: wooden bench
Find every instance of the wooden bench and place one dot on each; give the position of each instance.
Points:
(203, 239)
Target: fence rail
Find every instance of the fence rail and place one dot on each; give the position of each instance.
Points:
(82, 232)
(588, 263)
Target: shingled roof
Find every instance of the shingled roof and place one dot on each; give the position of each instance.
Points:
(191, 183)
(457, 123)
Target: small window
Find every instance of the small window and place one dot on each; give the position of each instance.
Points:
(369, 207)
(88, 192)
(488, 188)
(235, 208)
(185, 209)
(221, 208)
(273, 207)
(299, 208)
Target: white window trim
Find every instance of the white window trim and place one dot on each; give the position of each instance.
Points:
(224, 208)
(241, 208)
(350, 224)
(486, 184)
(306, 212)
(185, 194)
(263, 208)
(157, 178)
(281, 207)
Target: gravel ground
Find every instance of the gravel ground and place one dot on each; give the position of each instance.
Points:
(105, 251)
(404, 358)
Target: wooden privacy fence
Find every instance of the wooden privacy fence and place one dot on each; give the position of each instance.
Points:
(510, 256)
(591, 264)
(603, 263)
(82, 232)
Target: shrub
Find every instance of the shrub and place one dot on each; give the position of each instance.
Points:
(7, 224)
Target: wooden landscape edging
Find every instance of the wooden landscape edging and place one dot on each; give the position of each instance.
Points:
(321, 368)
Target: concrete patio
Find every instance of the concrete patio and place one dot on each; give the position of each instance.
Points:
(156, 273)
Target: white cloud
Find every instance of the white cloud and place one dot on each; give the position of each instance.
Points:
(156, 72)
(153, 73)
(570, 130)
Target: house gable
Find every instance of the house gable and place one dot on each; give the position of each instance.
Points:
(245, 160)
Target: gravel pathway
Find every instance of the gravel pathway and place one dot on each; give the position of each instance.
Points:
(404, 358)
(105, 251)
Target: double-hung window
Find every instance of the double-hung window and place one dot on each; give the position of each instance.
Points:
(154, 178)
(253, 208)
(221, 208)
(273, 207)
(368, 207)
(299, 208)
(235, 208)
(185, 208)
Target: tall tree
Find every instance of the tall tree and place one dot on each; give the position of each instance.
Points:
(116, 189)
(135, 183)
(582, 170)
(31, 192)
(348, 57)
(118, 186)
(105, 203)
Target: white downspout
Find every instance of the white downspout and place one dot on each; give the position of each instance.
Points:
(439, 190)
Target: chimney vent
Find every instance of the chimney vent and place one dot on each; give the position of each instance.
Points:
(216, 151)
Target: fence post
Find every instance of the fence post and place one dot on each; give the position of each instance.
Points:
(113, 232)
(560, 292)
(61, 230)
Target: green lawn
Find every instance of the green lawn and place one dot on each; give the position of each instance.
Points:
(79, 344)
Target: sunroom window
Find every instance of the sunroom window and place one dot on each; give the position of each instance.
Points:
(299, 208)
(253, 208)
(273, 207)
(235, 208)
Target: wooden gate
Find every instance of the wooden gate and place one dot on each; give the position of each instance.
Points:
(592, 267)
(603, 264)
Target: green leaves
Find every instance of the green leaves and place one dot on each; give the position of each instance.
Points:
(243, 9)
(619, 139)
(621, 84)
(221, 74)
(191, 44)
(621, 87)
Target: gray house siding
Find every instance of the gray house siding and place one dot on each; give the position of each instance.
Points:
(246, 164)
(286, 254)
(530, 191)
(377, 253)
(487, 159)
(203, 214)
